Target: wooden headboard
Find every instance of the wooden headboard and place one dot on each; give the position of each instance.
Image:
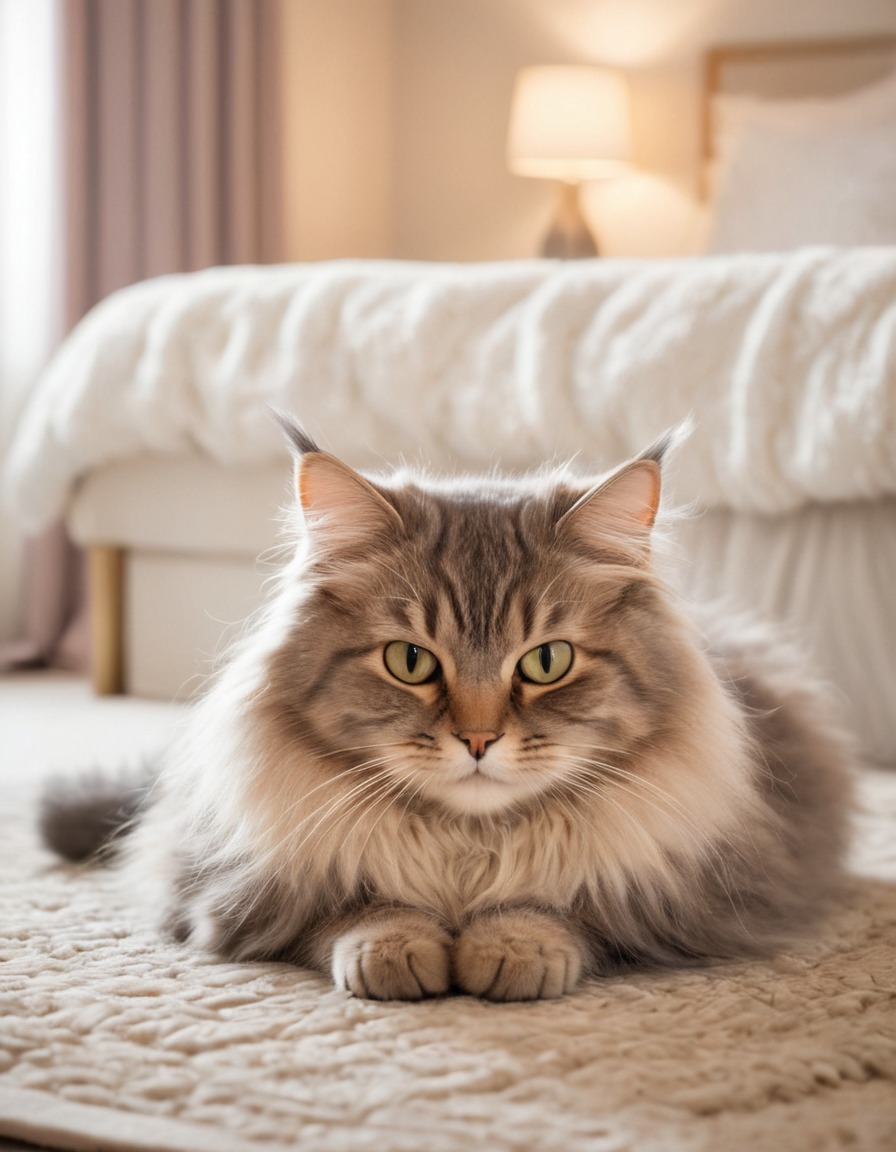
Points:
(790, 69)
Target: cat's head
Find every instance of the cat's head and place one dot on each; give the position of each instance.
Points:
(476, 644)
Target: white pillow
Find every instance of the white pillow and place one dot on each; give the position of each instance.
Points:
(858, 106)
(798, 172)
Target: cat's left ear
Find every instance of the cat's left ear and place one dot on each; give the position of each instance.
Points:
(616, 516)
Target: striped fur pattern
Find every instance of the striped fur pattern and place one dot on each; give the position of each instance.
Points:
(678, 796)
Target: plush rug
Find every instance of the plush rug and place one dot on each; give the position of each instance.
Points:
(111, 1039)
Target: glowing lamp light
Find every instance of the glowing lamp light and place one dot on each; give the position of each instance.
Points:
(569, 123)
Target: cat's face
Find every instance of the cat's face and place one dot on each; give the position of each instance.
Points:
(497, 724)
(478, 648)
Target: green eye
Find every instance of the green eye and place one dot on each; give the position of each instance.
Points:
(546, 663)
(409, 662)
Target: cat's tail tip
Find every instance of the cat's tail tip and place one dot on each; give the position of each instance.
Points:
(84, 817)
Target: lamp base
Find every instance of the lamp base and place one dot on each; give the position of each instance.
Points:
(569, 237)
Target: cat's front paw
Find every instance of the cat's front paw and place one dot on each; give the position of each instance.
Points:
(400, 957)
(517, 956)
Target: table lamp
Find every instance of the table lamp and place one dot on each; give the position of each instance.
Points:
(569, 123)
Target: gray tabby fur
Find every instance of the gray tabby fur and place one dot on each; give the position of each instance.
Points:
(678, 797)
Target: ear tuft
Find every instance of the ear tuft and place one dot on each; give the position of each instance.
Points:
(670, 441)
(298, 439)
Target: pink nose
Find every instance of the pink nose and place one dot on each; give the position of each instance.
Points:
(477, 742)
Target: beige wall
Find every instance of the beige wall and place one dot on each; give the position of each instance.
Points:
(337, 79)
(397, 114)
(453, 69)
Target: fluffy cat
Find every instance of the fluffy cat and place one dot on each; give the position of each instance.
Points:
(475, 744)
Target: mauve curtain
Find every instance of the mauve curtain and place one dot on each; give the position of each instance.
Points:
(173, 141)
(171, 116)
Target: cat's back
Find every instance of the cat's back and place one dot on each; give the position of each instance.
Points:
(800, 749)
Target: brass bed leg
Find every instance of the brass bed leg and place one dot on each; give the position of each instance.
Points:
(106, 589)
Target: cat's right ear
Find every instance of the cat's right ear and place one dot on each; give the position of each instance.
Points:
(339, 506)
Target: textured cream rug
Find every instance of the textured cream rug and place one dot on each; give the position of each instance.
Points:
(110, 1039)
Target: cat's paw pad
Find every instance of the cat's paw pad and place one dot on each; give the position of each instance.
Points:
(392, 962)
(517, 959)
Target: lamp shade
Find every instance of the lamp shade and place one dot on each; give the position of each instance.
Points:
(569, 122)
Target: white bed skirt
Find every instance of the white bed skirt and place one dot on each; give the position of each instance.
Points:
(826, 574)
(194, 532)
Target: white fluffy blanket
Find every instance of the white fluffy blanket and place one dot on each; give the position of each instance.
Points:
(110, 1038)
(787, 361)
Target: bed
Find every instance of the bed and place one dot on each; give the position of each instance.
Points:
(174, 477)
(149, 432)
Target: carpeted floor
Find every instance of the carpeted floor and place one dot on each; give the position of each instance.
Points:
(112, 1039)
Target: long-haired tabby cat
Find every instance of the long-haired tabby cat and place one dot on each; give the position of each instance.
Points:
(476, 744)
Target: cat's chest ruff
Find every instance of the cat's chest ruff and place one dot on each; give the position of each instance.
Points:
(456, 868)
